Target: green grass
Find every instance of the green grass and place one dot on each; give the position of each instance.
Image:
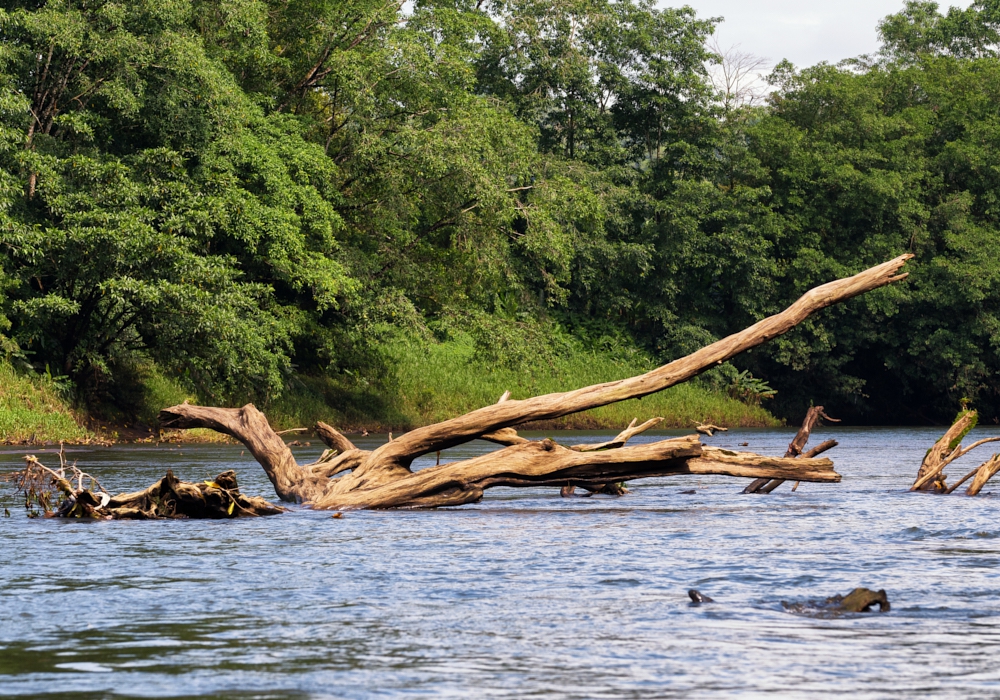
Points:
(425, 382)
(435, 381)
(31, 408)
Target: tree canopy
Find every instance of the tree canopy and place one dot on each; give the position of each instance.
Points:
(241, 191)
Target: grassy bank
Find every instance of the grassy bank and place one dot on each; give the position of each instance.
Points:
(31, 409)
(423, 382)
(430, 382)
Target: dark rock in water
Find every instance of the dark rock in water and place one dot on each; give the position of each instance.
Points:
(858, 600)
(689, 492)
(698, 598)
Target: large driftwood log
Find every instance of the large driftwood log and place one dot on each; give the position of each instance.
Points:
(382, 478)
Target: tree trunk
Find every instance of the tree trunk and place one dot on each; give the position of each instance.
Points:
(382, 478)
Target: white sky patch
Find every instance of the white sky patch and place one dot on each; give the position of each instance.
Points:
(805, 32)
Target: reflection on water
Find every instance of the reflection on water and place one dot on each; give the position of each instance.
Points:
(523, 594)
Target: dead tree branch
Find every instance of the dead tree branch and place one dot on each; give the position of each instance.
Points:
(382, 478)
(795, 447)
(931, 476)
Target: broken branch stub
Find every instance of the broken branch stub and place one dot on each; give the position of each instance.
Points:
(795, 447)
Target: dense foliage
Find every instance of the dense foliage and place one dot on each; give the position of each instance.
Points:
(237, 192)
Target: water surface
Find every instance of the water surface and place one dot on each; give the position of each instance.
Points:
(523, 594)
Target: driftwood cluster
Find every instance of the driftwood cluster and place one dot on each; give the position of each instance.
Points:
(931, 476)
(69, 492)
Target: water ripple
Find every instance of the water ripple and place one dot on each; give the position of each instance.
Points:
(523, 594)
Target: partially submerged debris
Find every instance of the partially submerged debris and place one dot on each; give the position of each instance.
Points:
(168, 498)
(383, 478)
(795, 447)
(931, 476)
(861, 600)
(857, 601)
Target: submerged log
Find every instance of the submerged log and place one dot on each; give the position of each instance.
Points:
(215, 499)
(857, 601)
(382, 478)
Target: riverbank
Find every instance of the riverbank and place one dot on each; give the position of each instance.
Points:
(32, 411)
(431, 382)
(422, 383)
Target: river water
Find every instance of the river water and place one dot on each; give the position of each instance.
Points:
(523, 594)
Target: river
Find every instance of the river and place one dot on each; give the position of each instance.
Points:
(523, 594)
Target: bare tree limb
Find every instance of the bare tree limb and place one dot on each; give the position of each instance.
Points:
(382, 478)
(456, 431)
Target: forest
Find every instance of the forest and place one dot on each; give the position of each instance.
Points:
(242, 197)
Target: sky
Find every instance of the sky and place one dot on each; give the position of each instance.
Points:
(803, 31)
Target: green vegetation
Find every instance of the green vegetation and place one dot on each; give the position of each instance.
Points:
(434, 381)
(255, 200)
(33, 409)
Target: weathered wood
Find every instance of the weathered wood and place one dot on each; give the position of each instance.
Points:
(505, 437)
(248, 425)
(985, 472)
(813, 416)
(332, 438)
(795, 447)
(814, 452)
(621, 438)
(218, 498)
(544, 463)
(616, 488)
(929, 476)
(382, 478)
(456, 431)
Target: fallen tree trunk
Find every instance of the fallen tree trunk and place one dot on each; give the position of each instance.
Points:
(382, 478)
